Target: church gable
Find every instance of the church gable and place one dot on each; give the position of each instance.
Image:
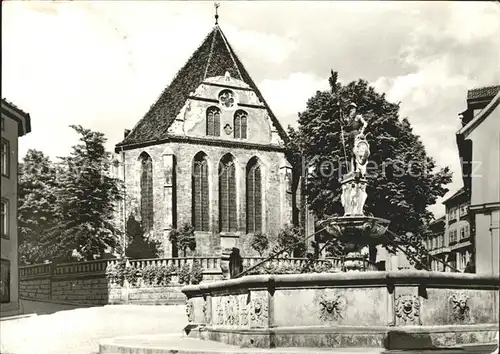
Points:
(182, 106)
(226, 108)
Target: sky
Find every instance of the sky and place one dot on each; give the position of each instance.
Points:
(103, 64)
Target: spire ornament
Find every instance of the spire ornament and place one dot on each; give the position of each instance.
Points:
(216, 5)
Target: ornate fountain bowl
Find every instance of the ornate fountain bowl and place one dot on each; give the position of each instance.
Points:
(358, 229)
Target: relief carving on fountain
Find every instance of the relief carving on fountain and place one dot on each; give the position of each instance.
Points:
(259, 311)
(243, 306)
(231, 310)
(407, 309)
(204, 309)
(220, 311)
(189, 310)
(460, 310)
(332, 308)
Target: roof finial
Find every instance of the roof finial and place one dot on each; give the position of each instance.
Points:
(216, 4)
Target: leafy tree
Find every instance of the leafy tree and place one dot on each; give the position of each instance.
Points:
(183, 238)
(37, 182)
(292, 237)
(403, 179)
(138, 246)
(86, 198)
(259, 242)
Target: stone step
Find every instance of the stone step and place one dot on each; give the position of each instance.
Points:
(180, 344)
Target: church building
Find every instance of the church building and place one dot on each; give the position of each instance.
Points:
(209, 153)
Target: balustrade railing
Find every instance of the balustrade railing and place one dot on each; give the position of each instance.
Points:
(35, 270)
(98, 266)
(292, 261)
(207, 263)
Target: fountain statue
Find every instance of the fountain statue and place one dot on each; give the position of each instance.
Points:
(355, 228)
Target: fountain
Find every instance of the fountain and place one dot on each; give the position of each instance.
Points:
(379, 309)
(395, 310)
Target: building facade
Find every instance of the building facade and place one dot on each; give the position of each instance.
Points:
(14, 123)
(452, 235)
(436, 245)
(479, 147)
(209, 153)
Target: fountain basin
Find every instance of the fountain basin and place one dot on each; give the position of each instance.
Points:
(395, 310)
(358, 229)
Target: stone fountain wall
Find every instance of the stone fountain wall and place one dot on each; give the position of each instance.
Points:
(368, 309)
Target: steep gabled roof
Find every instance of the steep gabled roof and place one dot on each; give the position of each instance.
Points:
(21, 117)
(480, 117)
(455, 195)
(214, 57)
(483, 92)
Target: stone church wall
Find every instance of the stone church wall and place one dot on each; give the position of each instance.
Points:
(172, 174)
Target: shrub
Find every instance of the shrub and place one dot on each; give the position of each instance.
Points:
(196, 273)
(149, 275)
(116, 272)
(164, 275)
(259, 243)
(132, 274)
(292, 238)
(185, 274)
(183, 238)
(157, 275)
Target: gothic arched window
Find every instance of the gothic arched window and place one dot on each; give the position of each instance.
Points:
(213, 121)
(200, 192)
(240, 124)
(227, 194)
(147, 209)
(254, 197)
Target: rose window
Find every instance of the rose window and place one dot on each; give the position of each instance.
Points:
(227, 99)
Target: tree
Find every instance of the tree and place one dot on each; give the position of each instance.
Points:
(138, 246)
(183, 238)
(403, 179)
(86, 199)
(37, 182)
(292, 238)
(259, 243)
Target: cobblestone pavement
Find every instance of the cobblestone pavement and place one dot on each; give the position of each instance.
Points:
(78, 331)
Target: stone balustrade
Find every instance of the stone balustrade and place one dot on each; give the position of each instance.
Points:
(295, 262)
(35, 270)
(350, 309)
(207, 263)
(83, 268)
